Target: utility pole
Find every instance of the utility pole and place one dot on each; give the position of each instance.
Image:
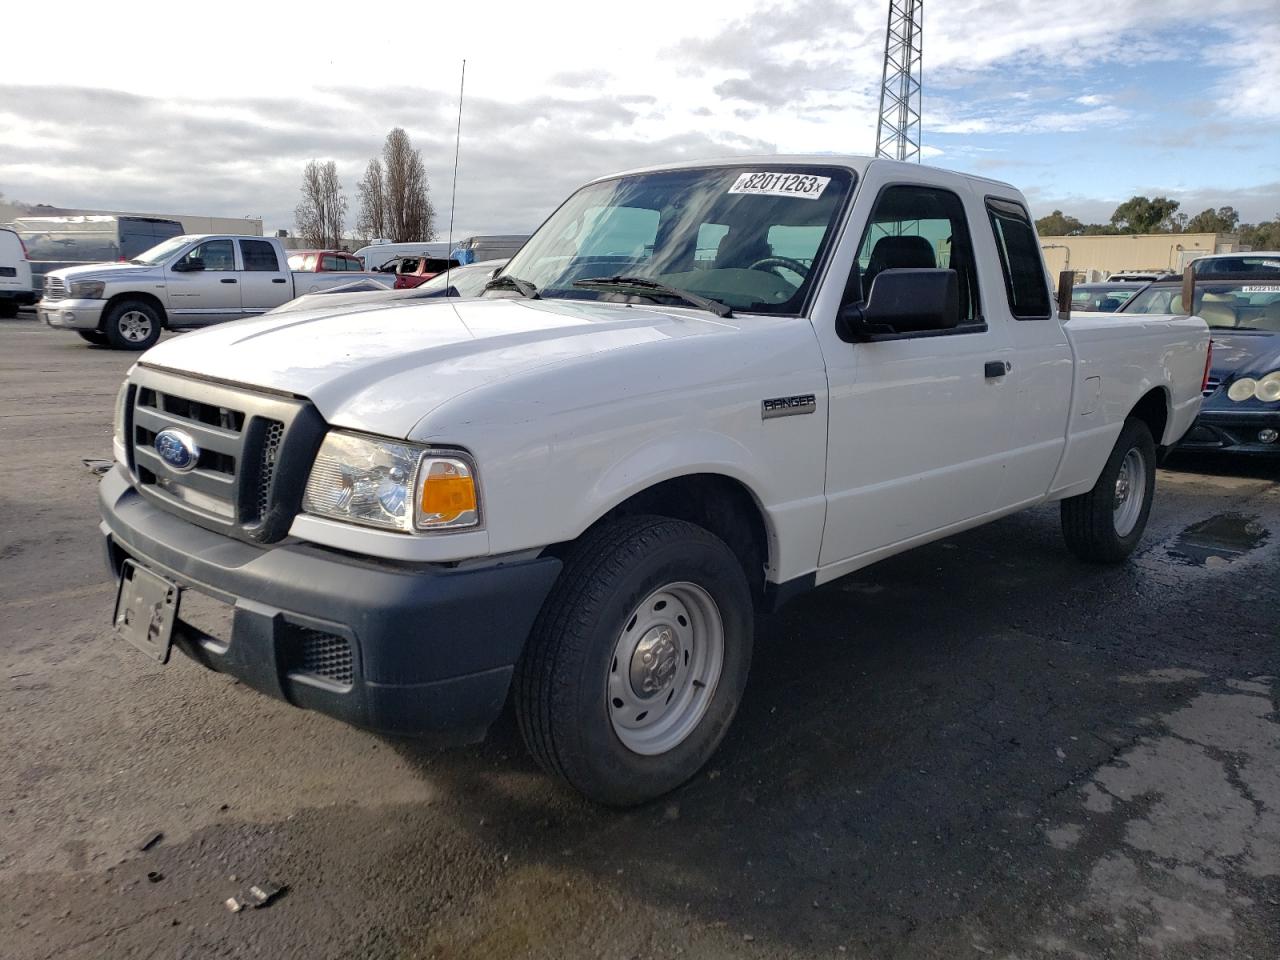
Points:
(898, 129)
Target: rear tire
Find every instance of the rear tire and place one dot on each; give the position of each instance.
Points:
(8, 309)
(637, 661)
(1105, 524)
(132, 325)
(96, 337)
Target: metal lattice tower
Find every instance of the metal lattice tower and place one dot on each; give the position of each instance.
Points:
(898, 129)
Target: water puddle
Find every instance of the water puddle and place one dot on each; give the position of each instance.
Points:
(1218, 540)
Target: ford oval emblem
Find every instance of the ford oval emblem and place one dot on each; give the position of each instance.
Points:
(177, 449)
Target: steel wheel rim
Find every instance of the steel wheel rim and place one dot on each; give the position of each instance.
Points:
(665, 666)
(134, 326)
(1131, 490)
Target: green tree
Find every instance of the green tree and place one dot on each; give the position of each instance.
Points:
(1144, 215)
(1222, 220)
(1261, 236)
(1058, 224)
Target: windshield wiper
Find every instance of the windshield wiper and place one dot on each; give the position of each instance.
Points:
(504, 281)
(643, 286)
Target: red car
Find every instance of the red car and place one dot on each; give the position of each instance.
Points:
(324, 261)
(412, 271)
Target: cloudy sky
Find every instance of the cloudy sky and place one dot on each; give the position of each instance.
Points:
(1081, 106)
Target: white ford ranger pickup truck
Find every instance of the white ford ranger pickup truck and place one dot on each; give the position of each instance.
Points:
(184, 282)
(697, 391)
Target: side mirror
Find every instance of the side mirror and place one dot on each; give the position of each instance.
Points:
(189, 265)
(908, 300)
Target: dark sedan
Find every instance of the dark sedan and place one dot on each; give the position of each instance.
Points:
(1241, 411)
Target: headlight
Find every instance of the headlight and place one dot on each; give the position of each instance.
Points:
(1242, 389)
(1268, 388)
(86, 289)
(391, 484)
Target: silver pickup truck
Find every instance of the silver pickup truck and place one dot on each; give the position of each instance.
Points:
(184, 282)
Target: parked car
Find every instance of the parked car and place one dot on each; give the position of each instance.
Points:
(1134, 276)
(1102, 297)
(468, 281)
(1241, 411)
(577, 491)
(324, 261)
(1260, 262)
(414, 271)
(187, 281)
(57, 242)
(383, 257)
(15, 274)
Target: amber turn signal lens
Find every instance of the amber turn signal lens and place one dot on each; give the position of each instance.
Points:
(448, 495)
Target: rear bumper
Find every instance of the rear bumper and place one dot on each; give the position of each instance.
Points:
(1233, 431)
(421, 650)
(71, 314)
(22, 297)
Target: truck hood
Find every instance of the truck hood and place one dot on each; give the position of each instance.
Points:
(107, 271)
(384, 368)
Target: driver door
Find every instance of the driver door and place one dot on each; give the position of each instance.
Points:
(919, 427)
(208, 291)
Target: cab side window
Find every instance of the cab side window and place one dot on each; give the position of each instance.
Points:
(259, 255)
(1025, 283)
(216, 255)
(914, 227)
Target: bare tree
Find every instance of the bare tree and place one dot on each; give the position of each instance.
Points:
(320, 217)
(407, 204)
(372, 222)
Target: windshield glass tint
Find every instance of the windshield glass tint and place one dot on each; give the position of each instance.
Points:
(162, 251)
(1102, 299)
(747, 236)
(1226, 305)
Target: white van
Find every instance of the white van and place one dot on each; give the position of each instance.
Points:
(377, 255)
(15, 274)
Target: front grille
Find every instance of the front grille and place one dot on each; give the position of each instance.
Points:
(54, 288)
(1211, 386)
(314, 653)
(254, 452)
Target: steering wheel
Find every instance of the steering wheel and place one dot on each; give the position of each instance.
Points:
(770, 263)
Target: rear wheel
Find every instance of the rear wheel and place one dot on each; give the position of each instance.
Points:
(637, 662)
(96, 337)
(1105, 524)
(8, 309)
(132, 325)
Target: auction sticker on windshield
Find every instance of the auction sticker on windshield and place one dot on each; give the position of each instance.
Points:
(781, 185)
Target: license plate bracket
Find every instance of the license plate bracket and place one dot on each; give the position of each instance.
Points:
(146, 609)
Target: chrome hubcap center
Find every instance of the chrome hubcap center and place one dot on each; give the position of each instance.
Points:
(654, 662)
(1122, 486)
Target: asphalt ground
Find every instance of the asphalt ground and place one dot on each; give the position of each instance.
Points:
(978, 749)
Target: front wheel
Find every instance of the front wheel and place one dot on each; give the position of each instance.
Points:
(1105, 524)
(637, 661)
(96, 337)
(132, 325)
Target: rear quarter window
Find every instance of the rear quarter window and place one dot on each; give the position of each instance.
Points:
(1025, 283)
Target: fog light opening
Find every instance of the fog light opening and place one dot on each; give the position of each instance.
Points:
(1267, 436)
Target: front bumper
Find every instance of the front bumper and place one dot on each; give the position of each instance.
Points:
(1233, 431)
(71, 314)
(430, 649)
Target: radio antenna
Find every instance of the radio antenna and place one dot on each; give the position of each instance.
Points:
(453, 199)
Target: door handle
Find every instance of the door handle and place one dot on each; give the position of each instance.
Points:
(228, 280)
(995, 369)
(277, 279)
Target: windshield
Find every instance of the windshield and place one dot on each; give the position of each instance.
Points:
(1225, 305)
(467, 281)
(747, 236)
(161, 251)
(1102, 298)
(1266, 263)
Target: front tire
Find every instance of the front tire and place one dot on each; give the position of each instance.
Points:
(637, 661)
(1105, 524)
(96, 337)
(132, 325)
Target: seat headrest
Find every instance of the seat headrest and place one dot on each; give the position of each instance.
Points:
(894, 253)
